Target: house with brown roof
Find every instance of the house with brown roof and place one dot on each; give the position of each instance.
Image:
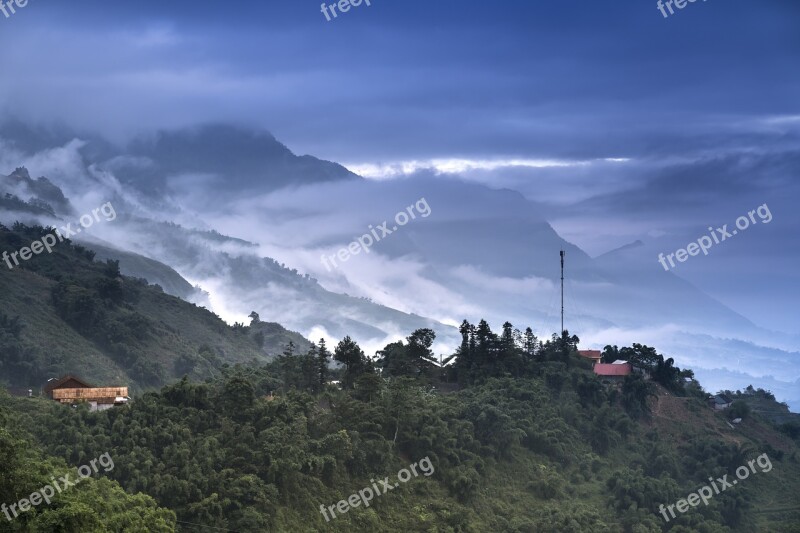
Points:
(593, 355)
(71, 390)
(66, 382)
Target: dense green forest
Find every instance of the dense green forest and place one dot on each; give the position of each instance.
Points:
(522, 438)
(521, 434)
(96, 504)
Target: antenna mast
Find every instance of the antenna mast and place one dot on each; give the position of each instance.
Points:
(562, 292)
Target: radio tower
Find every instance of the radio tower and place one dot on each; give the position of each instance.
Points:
(562, 291)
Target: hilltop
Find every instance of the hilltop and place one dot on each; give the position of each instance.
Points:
(522, 437)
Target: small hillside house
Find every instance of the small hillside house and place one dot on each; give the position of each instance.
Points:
(721, 402)
(71, 390)
(592, 355)
(613, 372)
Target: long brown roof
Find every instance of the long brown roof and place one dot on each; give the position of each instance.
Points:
(58, 383)
(89, 394)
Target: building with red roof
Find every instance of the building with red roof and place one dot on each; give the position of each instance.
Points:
(614, 372)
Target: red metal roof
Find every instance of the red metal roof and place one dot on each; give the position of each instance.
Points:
(613, 370)
(591, 354)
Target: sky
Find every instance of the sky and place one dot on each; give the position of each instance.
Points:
(621, 124)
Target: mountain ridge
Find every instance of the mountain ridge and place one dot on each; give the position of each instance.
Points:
(489, 253)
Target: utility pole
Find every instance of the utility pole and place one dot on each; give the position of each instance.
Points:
(562, 291)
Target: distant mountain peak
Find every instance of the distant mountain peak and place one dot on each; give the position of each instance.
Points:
(44, 194)
(236, 159)
(20, 173)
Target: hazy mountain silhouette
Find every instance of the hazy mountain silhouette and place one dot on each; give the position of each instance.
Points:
(482, 253)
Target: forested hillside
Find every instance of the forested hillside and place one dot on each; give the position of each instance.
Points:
(521, 436)
(64, 312)
(259, 430)
(95, 505)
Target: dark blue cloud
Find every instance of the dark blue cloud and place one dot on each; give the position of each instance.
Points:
(400, 79)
